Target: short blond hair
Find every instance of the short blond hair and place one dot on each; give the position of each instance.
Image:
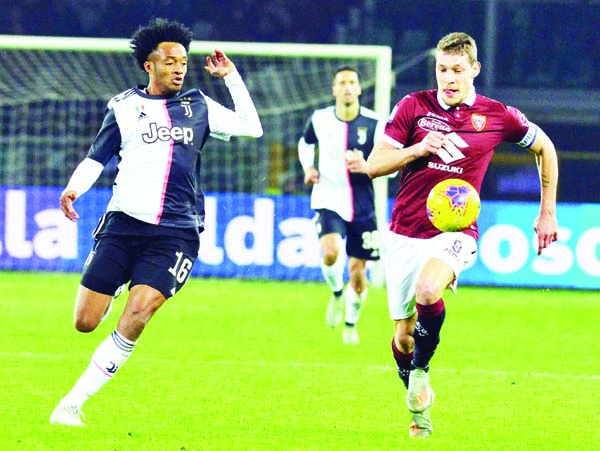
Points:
(458, 43)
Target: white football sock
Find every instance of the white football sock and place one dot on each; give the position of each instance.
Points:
(354, 303)
(109, 356)
(334, 275)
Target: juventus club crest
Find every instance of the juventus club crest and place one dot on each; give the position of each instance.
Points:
(185, 104)
(361, 133)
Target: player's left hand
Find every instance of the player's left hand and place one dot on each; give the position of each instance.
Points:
(546, 229)
(218, 64)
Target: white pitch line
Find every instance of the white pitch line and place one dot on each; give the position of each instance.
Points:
(384, 368)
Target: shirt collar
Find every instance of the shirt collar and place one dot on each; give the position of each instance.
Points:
(469, 100)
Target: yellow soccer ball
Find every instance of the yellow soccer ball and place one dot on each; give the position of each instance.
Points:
(453, 205)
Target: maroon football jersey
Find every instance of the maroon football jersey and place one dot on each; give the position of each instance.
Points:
(474, 129)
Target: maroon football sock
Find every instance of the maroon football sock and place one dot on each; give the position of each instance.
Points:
(402, 362)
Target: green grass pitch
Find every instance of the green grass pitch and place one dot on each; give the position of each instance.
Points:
(250, 365)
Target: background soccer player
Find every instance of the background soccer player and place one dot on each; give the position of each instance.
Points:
(342, 194)
(434, 135)
(149, 235)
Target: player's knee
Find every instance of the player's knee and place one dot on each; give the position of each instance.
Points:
(404, 342)
(358, 278)
(427, 292)
(85, 323)
(358, 284)
(329, 257)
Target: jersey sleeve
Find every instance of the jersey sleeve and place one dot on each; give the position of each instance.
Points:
(518, 128)
(306, 146)
(310, 137)
(84, 176)
(379, 130)
(108, 140)
(399, 124)
(244, 121)
(380, 134)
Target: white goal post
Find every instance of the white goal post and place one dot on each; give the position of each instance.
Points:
(62, 84)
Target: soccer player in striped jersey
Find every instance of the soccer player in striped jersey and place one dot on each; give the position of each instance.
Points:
(149, 235)
(434, 135)
(342, 195)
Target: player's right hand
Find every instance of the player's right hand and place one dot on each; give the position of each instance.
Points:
(66, 205)
(433, 142)
(311, 176)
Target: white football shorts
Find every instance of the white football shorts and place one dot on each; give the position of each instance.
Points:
(403, 257)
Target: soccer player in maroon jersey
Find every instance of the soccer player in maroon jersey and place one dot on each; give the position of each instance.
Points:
(149, 236)
(430, 136)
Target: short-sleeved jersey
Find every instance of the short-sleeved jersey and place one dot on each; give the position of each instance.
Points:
(349, 194)
(474, 129)
(157, 141)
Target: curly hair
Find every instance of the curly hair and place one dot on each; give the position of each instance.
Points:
(147, 38)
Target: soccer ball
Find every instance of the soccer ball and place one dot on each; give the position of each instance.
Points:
(453, 205)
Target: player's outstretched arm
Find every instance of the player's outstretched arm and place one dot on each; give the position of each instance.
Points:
(546, 224)
(224, 123)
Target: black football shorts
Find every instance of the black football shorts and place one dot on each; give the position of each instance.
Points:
(162, 262)
(362, 238)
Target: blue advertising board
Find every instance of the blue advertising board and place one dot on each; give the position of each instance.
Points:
(260, 236)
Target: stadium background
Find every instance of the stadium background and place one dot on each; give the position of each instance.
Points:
(538, 55)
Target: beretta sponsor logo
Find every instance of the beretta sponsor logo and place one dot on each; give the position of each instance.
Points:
(433, 125)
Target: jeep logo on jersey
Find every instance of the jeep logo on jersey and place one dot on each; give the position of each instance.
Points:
(185, 134)
(433, 125)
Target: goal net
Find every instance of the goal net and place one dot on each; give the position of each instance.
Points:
(53, 93)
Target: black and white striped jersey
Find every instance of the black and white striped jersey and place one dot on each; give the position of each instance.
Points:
(157, 141)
